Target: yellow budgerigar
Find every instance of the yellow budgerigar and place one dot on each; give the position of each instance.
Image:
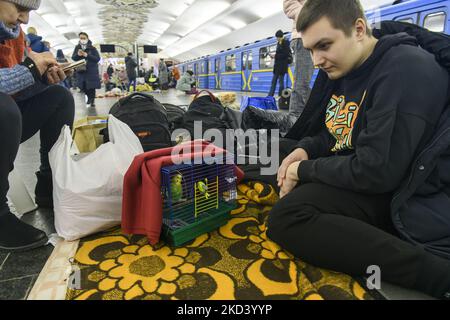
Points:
(203, 187)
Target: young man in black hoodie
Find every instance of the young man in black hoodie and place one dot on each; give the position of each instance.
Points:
(385, 100)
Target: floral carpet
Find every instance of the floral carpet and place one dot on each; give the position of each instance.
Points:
(237, 261)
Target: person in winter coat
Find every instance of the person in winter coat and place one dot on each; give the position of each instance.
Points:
(176, 73)
(87, 80)
(110, 71)
(29, 102)
(187, 83)
(175, 76)
(122, 79)
(304, 67)
(131, 65)
(282, 60)
(36, 43)
(376, 106)
(163, 75)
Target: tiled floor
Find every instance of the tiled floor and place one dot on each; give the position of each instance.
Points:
(19, 271)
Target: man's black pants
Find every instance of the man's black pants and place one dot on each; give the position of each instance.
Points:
(346, 231)
(46, 112)
(277, 78)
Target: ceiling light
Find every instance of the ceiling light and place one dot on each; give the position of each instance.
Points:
(208, 11)
(267, 9)
(235, 24)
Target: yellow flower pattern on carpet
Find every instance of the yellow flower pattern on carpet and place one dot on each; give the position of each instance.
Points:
(237, 261)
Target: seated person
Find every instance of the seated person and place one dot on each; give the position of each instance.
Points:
(152, 79)
(187, 83)
(122, 80)
(29, 102)
(380, 107)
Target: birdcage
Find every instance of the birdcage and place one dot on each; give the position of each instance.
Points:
(197, 198)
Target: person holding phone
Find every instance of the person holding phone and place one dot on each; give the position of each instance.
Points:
(30, 101)
(88, 79)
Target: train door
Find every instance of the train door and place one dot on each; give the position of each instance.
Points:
(247, 66)
(434, 20)
(217, 65)
(196, 74)
(205, 73)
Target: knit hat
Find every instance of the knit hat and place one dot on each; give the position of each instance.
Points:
(29, 4)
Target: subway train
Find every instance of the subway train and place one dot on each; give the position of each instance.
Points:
(248, 68)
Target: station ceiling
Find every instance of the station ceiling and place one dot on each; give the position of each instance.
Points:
(182, 29)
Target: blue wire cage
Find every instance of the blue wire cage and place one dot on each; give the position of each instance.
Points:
(197, 198)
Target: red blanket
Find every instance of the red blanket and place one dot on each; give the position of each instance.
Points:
(142, 205)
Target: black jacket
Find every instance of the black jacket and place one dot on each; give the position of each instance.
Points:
(131, 65)
(90, 77)
(282, 57)
(401, 137)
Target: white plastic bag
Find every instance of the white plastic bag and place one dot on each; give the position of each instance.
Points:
(87, 191)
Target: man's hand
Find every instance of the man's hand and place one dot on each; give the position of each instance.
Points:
(68, 73)
(43, 61)
(55, 74)
(291, 180)
(297, 155)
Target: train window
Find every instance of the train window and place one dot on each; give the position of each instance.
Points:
(202, 68)
(267, 57)
(210, 66)
(435, 22)
(408, 20)
(247, 60)
(217, 65)
(230, 63)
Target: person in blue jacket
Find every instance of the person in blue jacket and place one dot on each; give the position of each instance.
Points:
(367, 185)
(88, 79)
(36, 43)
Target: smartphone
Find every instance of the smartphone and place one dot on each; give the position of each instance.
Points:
(74, 65)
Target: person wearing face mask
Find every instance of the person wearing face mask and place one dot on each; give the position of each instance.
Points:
(29, 102)
(87, 79)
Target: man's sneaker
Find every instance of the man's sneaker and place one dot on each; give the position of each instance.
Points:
(44, 190)
(16, 235)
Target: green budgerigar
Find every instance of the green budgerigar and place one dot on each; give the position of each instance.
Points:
(176, 187)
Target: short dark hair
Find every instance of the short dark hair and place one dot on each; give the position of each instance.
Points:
(130, 54)
(342, 14)
(279, 34)
(190, 72)
(83, 33)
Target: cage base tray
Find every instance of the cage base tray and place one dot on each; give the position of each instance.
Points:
(207, 223)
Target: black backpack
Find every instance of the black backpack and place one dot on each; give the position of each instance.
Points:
(175, 116)
(210, 111)
(147, 117)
